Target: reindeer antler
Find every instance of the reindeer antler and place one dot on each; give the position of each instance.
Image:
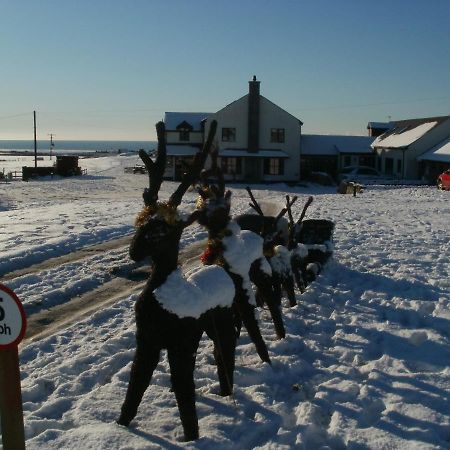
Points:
(302, 215)
(215, 171)
(254, 203)
(155, 169)
(193, 173)
(289, 204)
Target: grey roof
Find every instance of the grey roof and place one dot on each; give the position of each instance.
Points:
(440, 152)
(380, 125)
(405, 132)
(181, 150)
(173, 119)
(332, 145)
(231, 152)
(261, 96)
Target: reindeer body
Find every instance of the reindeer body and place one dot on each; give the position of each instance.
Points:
(274, 231)
(158, 326)
(223, 233)
(313, 247)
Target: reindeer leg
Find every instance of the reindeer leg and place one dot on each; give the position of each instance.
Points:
(276, 283)
(296, 270)
(182, 364)
(247, 315)
(263, 283)
(221, 330)
(247, 312)
(145, 361)
(288, 286)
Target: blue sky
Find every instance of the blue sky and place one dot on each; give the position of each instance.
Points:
(109, 69)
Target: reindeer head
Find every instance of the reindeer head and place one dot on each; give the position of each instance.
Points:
(271, 229)
(162, 223)
(213, 203)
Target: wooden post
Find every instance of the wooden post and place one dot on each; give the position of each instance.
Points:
(11, 412)
(35, 141)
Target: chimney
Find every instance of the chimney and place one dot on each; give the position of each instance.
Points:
(253, 115)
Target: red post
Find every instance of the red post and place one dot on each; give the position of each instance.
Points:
(11, 412)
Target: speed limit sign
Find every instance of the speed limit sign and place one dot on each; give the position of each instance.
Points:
(12, 318)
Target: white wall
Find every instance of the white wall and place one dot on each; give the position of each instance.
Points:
(272, 116)
(173, 137)
(235, 115)
(232, 116)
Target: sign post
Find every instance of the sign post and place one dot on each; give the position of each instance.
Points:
(12, 330)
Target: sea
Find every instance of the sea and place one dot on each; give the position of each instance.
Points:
(74, 147)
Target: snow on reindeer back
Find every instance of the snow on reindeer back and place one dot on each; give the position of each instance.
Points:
(201, 290)
(281, 260)
(242, 248)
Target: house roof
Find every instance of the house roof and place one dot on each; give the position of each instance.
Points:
(190, 150)
(380, 125)
(231, 152)
(440, 152)
(173, 119)
(266, 99)
(181, 150)
(332, 145)
(406, 132)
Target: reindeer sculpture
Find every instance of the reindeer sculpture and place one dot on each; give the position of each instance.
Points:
(274, 231)
(231, 249)
(175, 324)
(310, 242)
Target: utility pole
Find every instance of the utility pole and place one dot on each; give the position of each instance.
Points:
(35, 142)
(52, 144)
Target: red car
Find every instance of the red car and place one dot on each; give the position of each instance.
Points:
(443, 181)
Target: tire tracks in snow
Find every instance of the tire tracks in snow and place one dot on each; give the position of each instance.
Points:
(77, 255)
(126, 282)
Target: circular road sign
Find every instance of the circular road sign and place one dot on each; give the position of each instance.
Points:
(12, 318)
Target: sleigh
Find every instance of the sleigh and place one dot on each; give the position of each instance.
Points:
(317, 235)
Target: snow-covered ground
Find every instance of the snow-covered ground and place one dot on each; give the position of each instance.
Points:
(365, 364)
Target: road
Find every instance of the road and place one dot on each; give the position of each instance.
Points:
(126, 280)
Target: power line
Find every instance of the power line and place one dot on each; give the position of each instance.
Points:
(398, 102)
(15, 115)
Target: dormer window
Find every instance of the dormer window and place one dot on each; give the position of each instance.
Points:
(184, 129)
(184, 135)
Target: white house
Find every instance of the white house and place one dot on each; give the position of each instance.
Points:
(401, 150)
(257, 140)
(184, 138)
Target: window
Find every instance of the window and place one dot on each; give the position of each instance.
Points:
(228, 134)
(399, 166)
(347, 160)
(273, 166)
(184, 135)
(277, 135)
(231, 166)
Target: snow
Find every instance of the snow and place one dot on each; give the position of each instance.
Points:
(241, 249)
(281, 260)
(365, 363)
(192, 295)
(398, 139)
